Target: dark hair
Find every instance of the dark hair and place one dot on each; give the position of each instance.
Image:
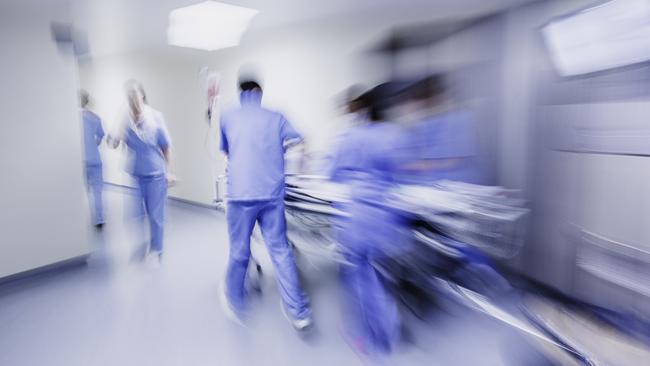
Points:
(380, 98)
(84, 98)
(431, 86)
(248, 85)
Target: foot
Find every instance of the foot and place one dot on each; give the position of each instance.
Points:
(227, 308)
(99, 226)
(299, 324)
(153, 260)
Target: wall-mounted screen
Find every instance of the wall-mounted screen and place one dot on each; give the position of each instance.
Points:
(612, 35)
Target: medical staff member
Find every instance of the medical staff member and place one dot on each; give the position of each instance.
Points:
(440, 141)
(255, 140)
(145, 134)
(93, 133)
(371, 231)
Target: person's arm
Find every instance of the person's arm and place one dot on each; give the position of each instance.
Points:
(114, 140)
(292, 140)
(290, 137)
(99, 134)
(223, 143)
(165, 146)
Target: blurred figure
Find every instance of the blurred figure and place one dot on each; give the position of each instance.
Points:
(439, 140)
(145, 134)
(93, 134)
(354, 111)
(371, 231)
(255, 140)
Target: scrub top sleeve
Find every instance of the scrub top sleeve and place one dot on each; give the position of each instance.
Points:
(287, 132)
(162, 139)
(224, 141)
(99, 133)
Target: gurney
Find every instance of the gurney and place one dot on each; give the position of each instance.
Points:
(491, 219)
(452, 222)
(457, 229)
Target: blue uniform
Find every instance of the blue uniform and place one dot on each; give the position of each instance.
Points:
(92, 135)
(254, 139)
(372, 231)
(147, 140)
(443, 146)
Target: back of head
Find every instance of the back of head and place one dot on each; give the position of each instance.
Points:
(84, 98)
(135, 96)
(250, 92)
(249, 85)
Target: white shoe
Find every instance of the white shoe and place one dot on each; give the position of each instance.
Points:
(153, 260)
(227, 308)
(298, 324)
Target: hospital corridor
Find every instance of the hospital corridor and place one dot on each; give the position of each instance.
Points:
(302, 182)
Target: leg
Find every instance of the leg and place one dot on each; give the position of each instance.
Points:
(95, 182)
(273, 225)
(380, 309)
(241, 218)
(136, 217)
(155, 199)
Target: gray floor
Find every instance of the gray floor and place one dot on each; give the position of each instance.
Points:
(117, 312)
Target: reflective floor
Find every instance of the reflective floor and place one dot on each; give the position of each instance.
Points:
(116, 311)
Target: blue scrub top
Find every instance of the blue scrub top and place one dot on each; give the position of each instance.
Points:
(254, 139)
(364, 160)
(147, 140)
(93, 134)
(366, 163)
(444, 146)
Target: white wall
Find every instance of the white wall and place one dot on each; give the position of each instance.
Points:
(43, 215)
(302, 69)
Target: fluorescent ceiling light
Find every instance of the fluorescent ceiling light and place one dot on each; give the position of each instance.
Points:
(209, 25)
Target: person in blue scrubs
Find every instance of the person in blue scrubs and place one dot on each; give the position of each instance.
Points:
(145, 134)
(93, 134)
(255, 140)
(371, 232)
(439, 140)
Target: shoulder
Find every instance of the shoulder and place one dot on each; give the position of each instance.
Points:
(230, 112)
(90, 116)
(275, 116)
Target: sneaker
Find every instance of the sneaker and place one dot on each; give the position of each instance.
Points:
(298, 324)
(227, 308)
(99, 226)
(153, 260)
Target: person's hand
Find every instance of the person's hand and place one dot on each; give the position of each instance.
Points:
(112, 142)
(171, 180)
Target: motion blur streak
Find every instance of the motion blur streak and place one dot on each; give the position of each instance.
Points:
(377, 182)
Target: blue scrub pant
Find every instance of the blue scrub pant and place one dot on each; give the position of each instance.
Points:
(95, 185)
(370, 310)
(153, 198)
(369, 235)
(242, 216)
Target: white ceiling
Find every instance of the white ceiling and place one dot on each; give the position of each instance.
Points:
(120, 25)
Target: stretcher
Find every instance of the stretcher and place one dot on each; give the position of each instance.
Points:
(457, 230)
